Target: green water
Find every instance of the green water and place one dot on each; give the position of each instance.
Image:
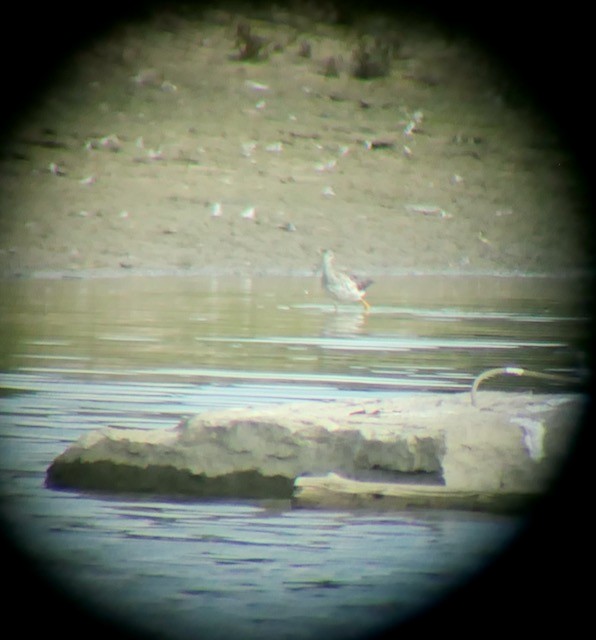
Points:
(423, 332)
(81, 354)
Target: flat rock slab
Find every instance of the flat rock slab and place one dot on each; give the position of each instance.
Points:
(508, 444)
(335, 492)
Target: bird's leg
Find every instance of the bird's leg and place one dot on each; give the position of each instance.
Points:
(366, 305)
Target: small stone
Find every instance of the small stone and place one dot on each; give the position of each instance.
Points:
(248, 213)
(148, 77)
(248, 148)
(111, 143)
(256, 86)
(322, 167)
(216, 210)
(155, 154)
(56, 170)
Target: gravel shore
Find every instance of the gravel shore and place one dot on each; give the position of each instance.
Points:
(165, 146)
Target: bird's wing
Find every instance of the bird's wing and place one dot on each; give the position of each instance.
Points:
(361, 283)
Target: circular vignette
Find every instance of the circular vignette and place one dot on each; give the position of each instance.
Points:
(542, 60)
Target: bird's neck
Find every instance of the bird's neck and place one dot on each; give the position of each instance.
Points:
(327, 267)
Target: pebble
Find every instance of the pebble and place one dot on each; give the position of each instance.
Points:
(248, 149)
(256, 86)
(248, 213)
(56, 170)
(325, 166)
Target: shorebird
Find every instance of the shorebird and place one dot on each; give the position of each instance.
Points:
(341, 286)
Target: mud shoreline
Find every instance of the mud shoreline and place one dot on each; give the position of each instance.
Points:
(160, 151)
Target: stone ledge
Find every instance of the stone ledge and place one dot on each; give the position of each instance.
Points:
(511, 444)
(334, 492)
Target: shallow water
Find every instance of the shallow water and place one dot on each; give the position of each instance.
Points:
(77, 355)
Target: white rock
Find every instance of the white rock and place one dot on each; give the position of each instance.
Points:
(248, 213)
(474, 449)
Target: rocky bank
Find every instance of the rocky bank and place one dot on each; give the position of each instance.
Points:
(415, 450)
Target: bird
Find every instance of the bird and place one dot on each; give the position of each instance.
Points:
(341, 286)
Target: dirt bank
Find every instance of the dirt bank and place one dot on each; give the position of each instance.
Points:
(160, 149)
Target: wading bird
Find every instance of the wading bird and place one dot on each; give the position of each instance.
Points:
(341, 286)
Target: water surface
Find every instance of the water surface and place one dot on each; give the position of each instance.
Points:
(80, 354)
